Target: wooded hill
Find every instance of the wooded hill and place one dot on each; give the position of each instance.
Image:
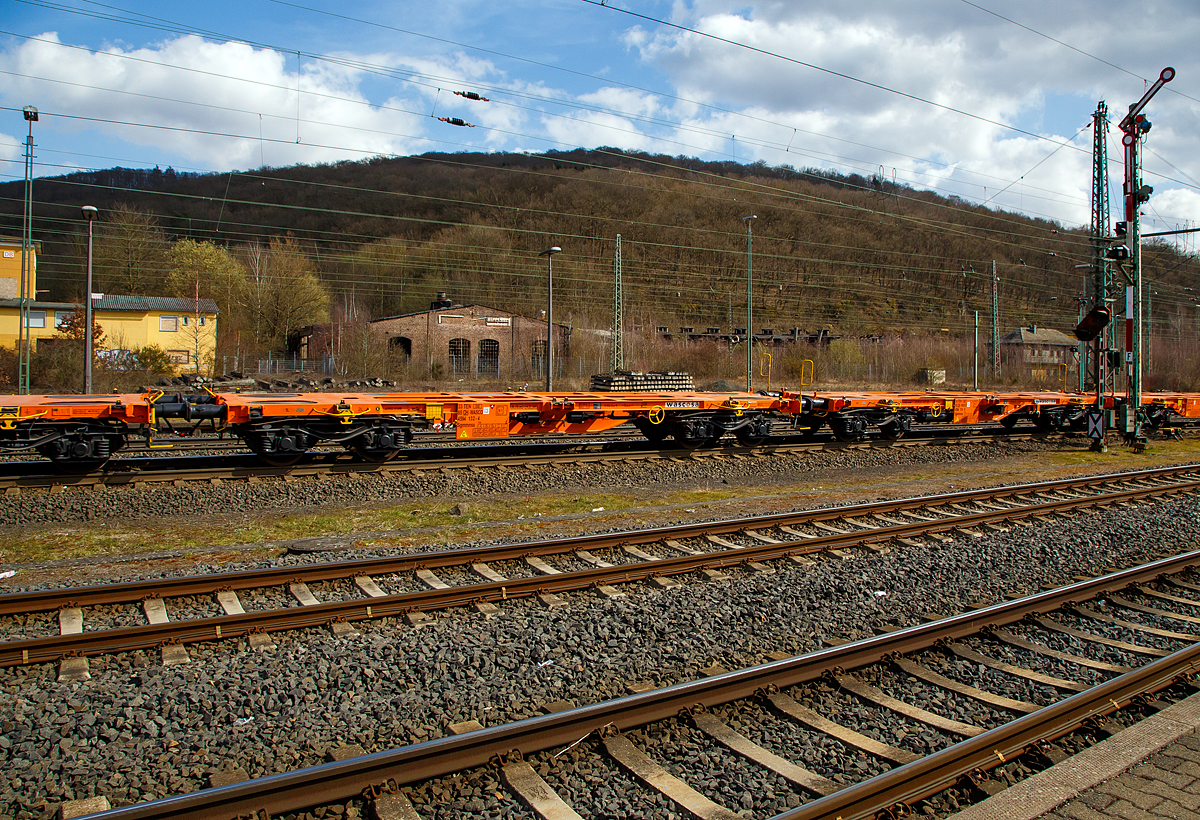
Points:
(855, 255)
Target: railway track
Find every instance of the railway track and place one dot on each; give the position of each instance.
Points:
(865, 729)
(138, 471)
(178, 611)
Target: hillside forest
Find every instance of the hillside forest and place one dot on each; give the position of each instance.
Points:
(898, 273)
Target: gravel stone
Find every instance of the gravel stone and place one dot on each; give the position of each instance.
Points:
(138, 730)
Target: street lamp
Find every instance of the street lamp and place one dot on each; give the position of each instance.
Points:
(89, 213)
(749, 303)
(549, 254)
(23, 342)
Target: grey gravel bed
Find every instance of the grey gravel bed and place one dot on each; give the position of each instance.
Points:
(598, 787)
(871, 720)
(819, 754)
(1157, 621)
(32, 625)
(138, 730)
(1072, 645)
(1117, 633)
(939, 701)
(992, 680)
(1043, 664)
(724, 777)
(165, 501)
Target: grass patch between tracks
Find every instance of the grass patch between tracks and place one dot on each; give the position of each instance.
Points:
(405, 524)
(430, 523)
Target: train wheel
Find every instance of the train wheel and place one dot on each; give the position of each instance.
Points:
(653, 432)
(1049, 422)
(748, 438)
(278, 449)
(686, 437)
(374, 456)
(280, 459)
(83, 450)
(843, 432)
(74, 466)
(891, 432)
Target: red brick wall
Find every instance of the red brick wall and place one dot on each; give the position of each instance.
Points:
(430, 335)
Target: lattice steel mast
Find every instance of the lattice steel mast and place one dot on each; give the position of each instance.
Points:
(618, 326)
(1105, 291)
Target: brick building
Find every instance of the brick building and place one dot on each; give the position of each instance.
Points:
(472, 341)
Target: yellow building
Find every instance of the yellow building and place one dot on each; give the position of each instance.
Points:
(185, 328)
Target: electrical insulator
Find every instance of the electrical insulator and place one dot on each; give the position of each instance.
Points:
(457, 121)
(471, 95)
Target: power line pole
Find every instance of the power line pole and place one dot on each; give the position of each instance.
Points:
(995, 324)
(618, 335)
(749, 220)
(1105, 290)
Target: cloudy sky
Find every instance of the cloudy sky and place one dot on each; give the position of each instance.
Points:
(943, 94)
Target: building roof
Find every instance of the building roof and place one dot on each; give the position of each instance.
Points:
(38, 304)
(147, 303)
(133, 304)
(1034, 335)
(457, 308)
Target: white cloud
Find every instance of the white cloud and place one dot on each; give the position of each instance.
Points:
(718, 101)
(955, 56)
(222, 104)
(1175, 209)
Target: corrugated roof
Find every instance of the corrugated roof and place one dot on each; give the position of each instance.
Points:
(147, 303)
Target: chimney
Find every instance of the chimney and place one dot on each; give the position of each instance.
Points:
(440, 302)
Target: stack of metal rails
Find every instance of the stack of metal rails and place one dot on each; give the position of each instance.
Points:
(624, 381)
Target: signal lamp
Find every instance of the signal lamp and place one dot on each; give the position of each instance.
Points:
(1092, 324)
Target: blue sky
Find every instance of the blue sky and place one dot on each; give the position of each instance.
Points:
(219, 86)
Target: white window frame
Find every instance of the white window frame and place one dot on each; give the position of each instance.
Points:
(164, 323)
(35, 314)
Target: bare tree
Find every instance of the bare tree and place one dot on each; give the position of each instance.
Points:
(285, 293)
(130, 254)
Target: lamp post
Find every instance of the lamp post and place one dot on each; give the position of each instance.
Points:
(27, 266)
(89, 213)
(749, 220)
(549, 254)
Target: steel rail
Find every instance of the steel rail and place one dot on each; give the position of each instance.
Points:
(56, 647)
(337, 462)
(908, 784)
(50, 599)
(384, 771)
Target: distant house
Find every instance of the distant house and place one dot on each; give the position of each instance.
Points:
(185, 328)
(448, 340)
(181, 327)
(1039, 353)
